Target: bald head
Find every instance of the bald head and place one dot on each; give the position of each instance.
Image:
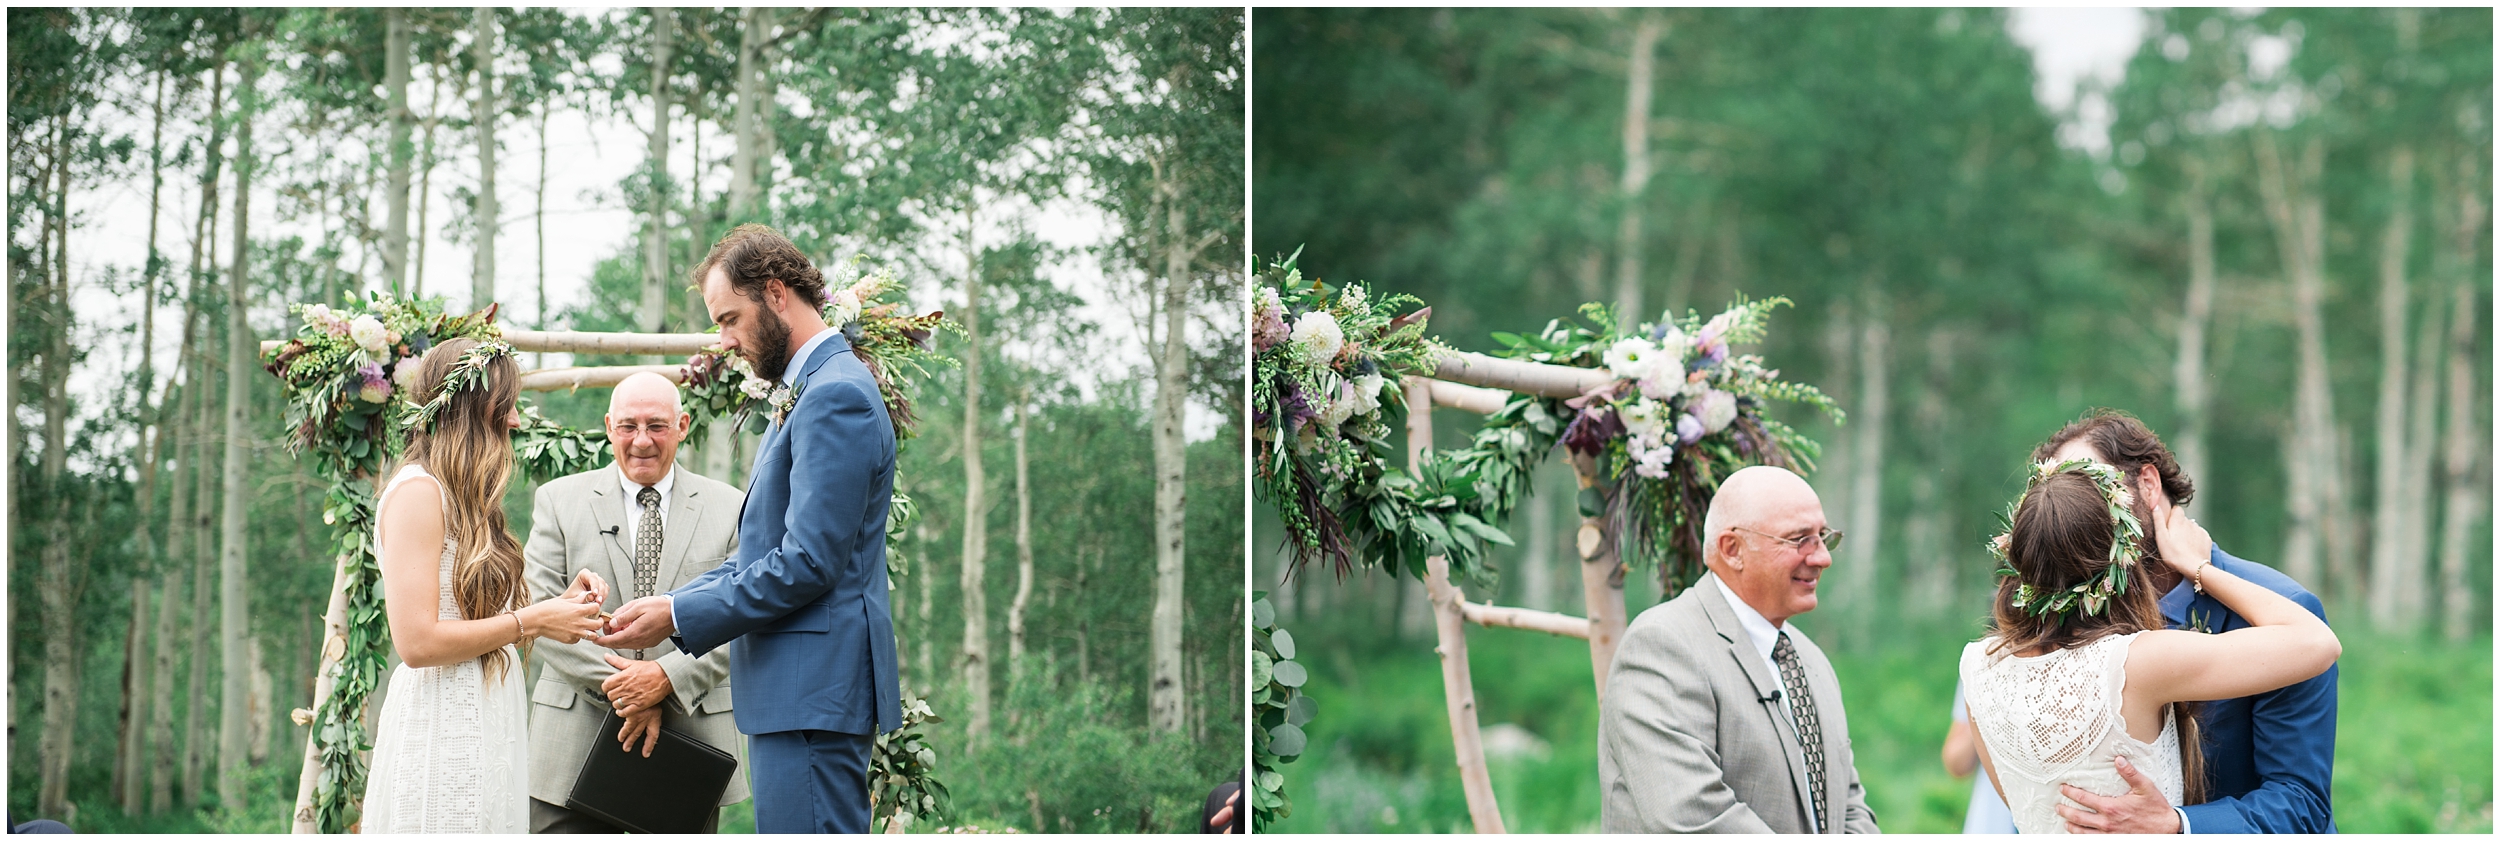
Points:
(646, 422)
(646, 390)
(1745, 540)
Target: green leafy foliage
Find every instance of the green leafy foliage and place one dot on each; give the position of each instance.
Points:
(1280, 707)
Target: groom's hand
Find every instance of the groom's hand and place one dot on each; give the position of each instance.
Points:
(641, 623)
(2140, 811)
(638, 685)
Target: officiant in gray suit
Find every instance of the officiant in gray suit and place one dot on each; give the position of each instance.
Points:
(1719, 715)
(644, 525)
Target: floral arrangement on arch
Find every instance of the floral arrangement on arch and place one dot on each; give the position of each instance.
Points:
(894, 344)
(1683, 411)
(1326, 376)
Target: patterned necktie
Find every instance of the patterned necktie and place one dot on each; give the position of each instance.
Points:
(647, 543)
(1809, 725)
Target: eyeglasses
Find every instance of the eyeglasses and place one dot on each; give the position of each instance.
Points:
(1827, 539)
(658, 430)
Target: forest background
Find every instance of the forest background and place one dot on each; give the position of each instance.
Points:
(2267, 237)
(1065, 184)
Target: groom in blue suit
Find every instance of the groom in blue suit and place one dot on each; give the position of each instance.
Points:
(2269, 757)
(803, 603)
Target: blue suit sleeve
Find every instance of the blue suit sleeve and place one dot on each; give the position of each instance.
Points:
(829, 502)
(2293, 731)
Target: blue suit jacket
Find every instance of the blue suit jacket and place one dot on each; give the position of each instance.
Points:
(2270, 757)
(803, 602)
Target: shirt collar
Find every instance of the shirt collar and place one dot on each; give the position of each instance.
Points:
(807, 350)
(1758, 629)
(633, 489)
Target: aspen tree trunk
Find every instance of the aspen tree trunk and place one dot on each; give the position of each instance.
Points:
(128, 777)
(1866, 490)
(60, 574)
(147, 693)
(1601, 577)
(2396, 577)
(186, 527)
(754, 28)
(232, 741)
(482, 50)
(2465, 503)
(654, 232)
(1167, 701)
(1450, 633)
(1628, 303)
(2311, 449)
(395, 88)
(1024, 558)
(2194, 397)
(161, 714)
(203, 592)
(538, 218)
(976, 655)
(425, 181)
(2422, 459)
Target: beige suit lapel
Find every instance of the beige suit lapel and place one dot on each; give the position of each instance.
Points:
(1768, 688)
(677, 536)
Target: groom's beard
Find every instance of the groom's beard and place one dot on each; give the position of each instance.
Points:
(772, 345)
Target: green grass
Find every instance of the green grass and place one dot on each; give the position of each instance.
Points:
(2413, 752)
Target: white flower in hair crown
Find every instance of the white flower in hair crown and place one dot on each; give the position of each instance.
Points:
(466, 373)
(2095, 592)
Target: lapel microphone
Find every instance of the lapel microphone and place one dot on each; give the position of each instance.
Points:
(612, 530)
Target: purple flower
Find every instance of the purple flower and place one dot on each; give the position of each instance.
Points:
(1688, 429)
(371, 372)
(1591, 429)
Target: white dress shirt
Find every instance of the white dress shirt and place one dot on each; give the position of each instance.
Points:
(1765, 637)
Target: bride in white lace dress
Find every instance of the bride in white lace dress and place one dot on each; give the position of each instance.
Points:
(451, 753)
(2078, 670)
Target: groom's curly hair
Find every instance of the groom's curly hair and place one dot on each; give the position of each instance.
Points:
(754, 253)
(2128, 445)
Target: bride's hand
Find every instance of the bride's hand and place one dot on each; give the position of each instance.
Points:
(563, 619)
(588, 582)
(2184, 545)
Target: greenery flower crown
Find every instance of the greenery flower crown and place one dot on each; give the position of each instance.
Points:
(2095, 592)
(467, 373)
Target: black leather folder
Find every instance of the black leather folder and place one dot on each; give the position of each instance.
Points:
(674, 790)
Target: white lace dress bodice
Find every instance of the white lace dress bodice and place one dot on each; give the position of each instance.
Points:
(2057, 719)
(450, 752)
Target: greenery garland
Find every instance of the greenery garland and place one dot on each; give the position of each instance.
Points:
(1281, 709)
(341, 372)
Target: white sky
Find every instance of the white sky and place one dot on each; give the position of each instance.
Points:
(587, 157)
(2068, 46)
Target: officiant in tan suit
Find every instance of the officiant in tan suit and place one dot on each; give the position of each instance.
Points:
(644, 525)
(1719, 715)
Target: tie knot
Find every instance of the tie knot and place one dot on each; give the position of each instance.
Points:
(1783, 649)
(649, 496)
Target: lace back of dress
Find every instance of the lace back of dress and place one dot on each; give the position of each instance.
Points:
(2058, 718)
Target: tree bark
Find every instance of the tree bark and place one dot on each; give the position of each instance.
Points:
(1601, 578)
(148, 451)
(2316, 487)
(655, 232)
(1449, 624)
(1167, 701)
(233, 627)
(2465, 504)
(2396, 576)
(425, 181)
(128, 778)
(755, 25)
(161, 713)
(538, 218)
(1628, 303)
(1024, 559)
(976, 654)
(489, 211)
(61, 652)
(1866, 457)
(395, 89)
(2194, 398)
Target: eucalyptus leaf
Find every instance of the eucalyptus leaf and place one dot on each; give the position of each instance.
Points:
(1301, 710)
(1291, 673)
(1288, 741)
(1283, 643)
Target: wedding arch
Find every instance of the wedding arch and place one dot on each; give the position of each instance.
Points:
(345, 373)
(1654, 416)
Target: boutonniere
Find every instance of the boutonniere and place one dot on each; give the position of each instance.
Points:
(782, 398)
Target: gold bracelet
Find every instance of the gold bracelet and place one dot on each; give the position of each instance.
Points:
(2199, 575)
(524, 628)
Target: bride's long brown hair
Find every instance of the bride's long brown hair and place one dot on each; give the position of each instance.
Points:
(2061, 537)
(468, 448)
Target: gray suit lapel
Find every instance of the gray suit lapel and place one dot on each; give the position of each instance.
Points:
(1766, 686)
(603, 510)
(677, 535)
